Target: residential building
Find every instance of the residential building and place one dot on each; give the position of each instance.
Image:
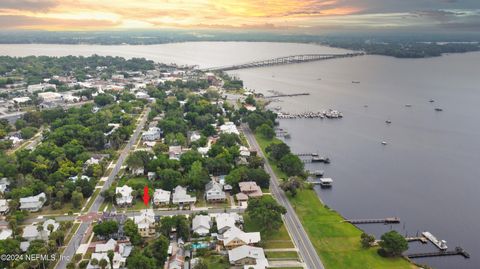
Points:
(248, 257)
(234, 237)
(142, 95)
(241, 197)
(40, 87)
(201, 225)
(82, 177)
(161, 197)
(225, 221)
(3, 206)
(50, 97)
(229, 128)
(153, 133)
(4, 183)
(111, 244)
(5, 234)
(214, 192)
(31, 232)
(124, 195)
(180, 196)
(33, 203)
(145, 222)
(174, 152)
(250, 188)
(120, 253)
(195, 136)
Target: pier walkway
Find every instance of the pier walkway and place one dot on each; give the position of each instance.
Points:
(458, 251)
(293, 59)
(369, 221)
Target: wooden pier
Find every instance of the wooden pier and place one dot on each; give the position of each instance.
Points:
(312, 154)
(393, 220)
(458, 251)
(422, 239)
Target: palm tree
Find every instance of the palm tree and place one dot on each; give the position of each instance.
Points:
(50, 227)
(110, 255)
(103, 263)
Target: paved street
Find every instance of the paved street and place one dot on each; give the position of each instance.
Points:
(77, 238)
(294, 226)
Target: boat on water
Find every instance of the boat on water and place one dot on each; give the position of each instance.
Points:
(438, 109)
(388, 121)
(384, 143)
(326, 182)
(408, 105)
(431, 101)
(320, 160)
(318, 173)
(441, 244)
(355, 82)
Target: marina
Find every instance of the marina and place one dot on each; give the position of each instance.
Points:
(324, 182)
(329, 114)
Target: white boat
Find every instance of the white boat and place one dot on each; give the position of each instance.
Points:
(441, 244)
(384, 143)
(326, 182)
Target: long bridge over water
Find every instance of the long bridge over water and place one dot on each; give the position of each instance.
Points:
(284, 60)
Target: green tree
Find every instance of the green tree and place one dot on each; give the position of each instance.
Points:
(106, 228)
(291, 165)
(393, 244)
(103, 99)
(366, 240)
(137, 260)
(159, 249)
(266, 131)
(77, 199)
(277, 150)
(110, 255)
(131, 230)
(103, 263)
(197, 176)
(266, 212)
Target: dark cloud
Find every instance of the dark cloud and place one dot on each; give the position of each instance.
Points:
(31, 5)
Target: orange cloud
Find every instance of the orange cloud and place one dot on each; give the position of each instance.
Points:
(84, 14)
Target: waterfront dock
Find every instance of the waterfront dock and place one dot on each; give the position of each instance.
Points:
(458, 251)
(440, 244)
(393, 220)
(286, 95)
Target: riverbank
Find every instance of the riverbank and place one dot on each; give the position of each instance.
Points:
(337, 242)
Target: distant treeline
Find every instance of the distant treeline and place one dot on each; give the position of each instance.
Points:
(401, 45)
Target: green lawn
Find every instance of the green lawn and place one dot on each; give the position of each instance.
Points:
(282, 255)
(337, 242)
(274, 239)
(216, 262)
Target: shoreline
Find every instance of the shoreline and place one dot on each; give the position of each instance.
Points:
(329, 239)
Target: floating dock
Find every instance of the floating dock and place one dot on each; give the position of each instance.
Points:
(440, 244)
(324, 182)
(458, 251)
(287, 95)
(393, 220)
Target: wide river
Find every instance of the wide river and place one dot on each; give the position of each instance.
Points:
(429, 172)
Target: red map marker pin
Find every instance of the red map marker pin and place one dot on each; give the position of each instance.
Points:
(146, 197)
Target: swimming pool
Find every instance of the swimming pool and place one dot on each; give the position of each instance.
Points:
(198, 245)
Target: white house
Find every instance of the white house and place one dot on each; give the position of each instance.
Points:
(225, 221)
(214, 192)
(248, 257)
(33, 203)
(5, 233)
(229, 128)
(125, 197)
(50, 96)
(4, 183)
(195, 136)
(75, 178)
(111, 244)
(142, 95)
(201, 225)
(31, 232)
(3, 206)
(235, 237)
(152, 134)
(145, 222)
(180, 196)
(161, 197)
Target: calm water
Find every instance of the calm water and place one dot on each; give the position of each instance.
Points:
(428, 174)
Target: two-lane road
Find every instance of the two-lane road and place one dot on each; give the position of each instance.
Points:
(78, 236)
(294, 226)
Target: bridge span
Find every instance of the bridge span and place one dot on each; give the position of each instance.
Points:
(283, 60)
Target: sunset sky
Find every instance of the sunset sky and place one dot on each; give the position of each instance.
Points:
(293, 15)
